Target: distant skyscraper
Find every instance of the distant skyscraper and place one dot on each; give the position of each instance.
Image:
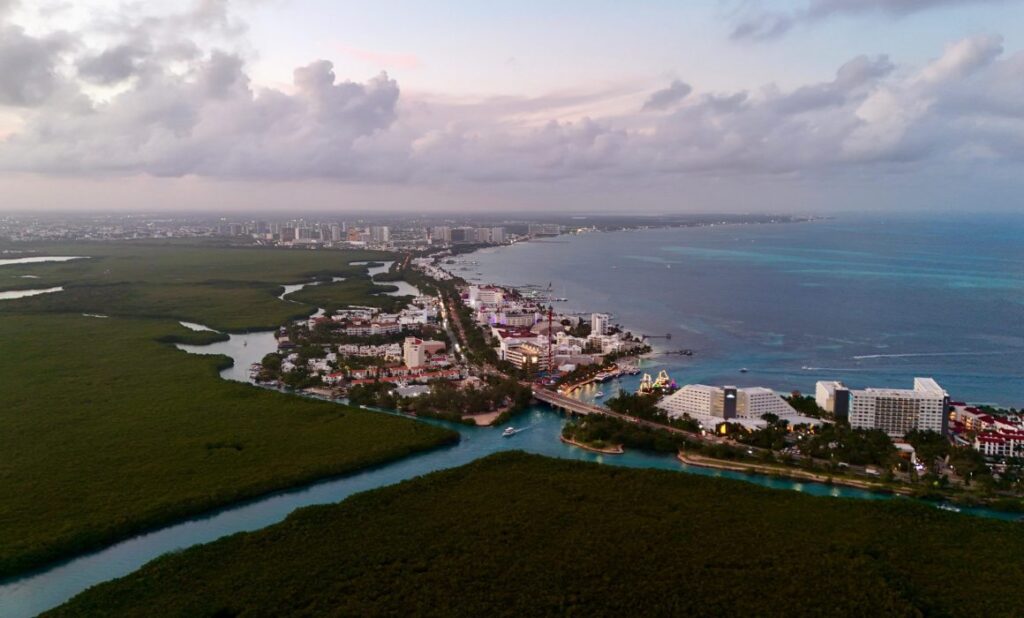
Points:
(482, 235)
(380, 233)
(336, 232)
(441, 235)
(599, 324)
(463, 235)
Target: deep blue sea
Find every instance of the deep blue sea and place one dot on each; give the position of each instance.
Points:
(872, 301)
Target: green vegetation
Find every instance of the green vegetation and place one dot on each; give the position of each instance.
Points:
(840, 444)
(351, 291)
(445, 400)
(105, 432)
(646, 407)
(223, 288)
(931, 446)
(773, 436)
(601, 431)
(521, 535)
(806, 405)
(997, 411)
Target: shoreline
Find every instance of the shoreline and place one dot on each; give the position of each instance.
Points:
(616, 450)
(791, 473)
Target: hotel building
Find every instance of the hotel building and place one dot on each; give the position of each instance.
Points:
(899, 411)
(746, 406)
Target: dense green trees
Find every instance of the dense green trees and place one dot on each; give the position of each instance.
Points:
(494, 394)
(520, 535)
(841, 444)
(806, 405)
(105, 432)
(603, 431)
(646, 407)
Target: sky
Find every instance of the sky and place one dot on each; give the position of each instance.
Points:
(647, 107)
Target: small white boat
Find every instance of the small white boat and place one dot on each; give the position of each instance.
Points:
(598, 394)
(949, 507)
(744, 370)
(509, 432)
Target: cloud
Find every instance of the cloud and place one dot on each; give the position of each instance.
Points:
(762, 25)
(28, 66)
(852, 77)
(963, 58)
(114, 64)
(148, 98)
(667, 97)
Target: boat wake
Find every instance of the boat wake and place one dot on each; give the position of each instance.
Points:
(919, 354)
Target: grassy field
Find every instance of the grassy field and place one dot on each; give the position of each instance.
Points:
(224, 288)
(521, 535)
(105, 431)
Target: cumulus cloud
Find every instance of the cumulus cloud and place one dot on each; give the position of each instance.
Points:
(667, 97)
(114, 64)
(173, 105)
(28, 66)
(758, 24)
(851, 78)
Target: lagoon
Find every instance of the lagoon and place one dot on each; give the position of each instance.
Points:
(13, 294)
(40, 259)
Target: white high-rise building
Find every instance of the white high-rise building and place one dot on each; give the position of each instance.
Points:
(380, 233)
(599, 323)
(711, 405)
(414, 352)
(833, 397)
(441, 235)
(899, 411)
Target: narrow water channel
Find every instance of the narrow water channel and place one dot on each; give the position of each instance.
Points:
(37, 592)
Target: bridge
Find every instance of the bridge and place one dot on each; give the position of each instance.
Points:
(571, 404)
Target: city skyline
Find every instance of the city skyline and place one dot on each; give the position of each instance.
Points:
(816, 106)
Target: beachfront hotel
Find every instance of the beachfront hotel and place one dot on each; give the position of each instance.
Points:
(834, 397)
(899, 411)
(711, 405)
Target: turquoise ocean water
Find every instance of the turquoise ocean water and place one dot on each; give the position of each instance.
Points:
(871, 301)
